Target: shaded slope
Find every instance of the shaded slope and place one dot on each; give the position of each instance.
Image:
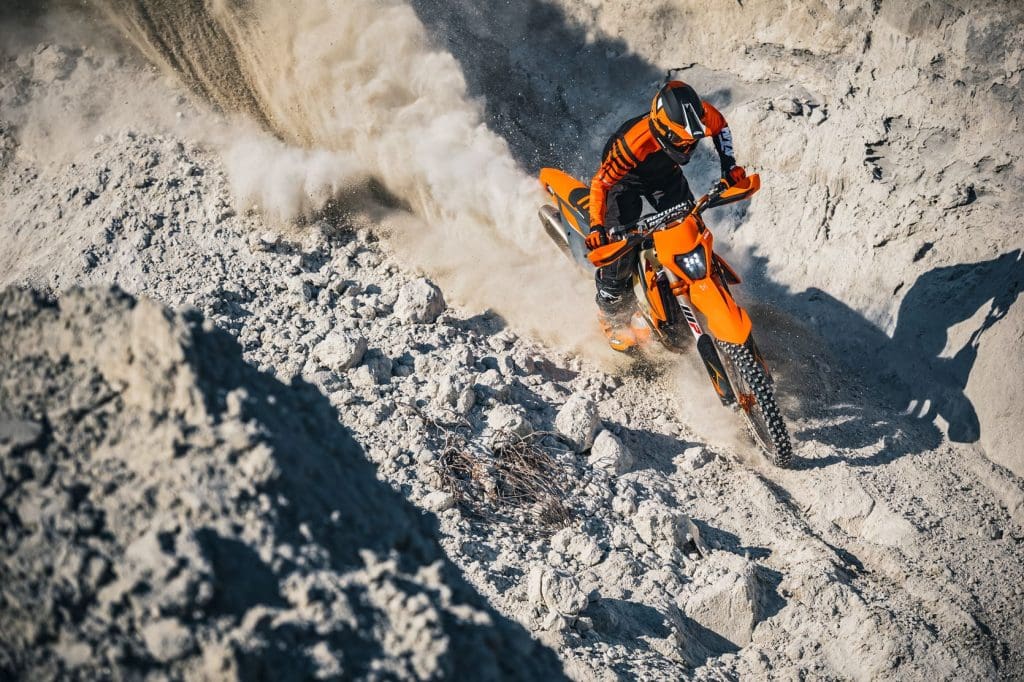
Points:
(167, 506)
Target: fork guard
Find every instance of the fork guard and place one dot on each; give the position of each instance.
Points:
(715, 369)
(726, 319)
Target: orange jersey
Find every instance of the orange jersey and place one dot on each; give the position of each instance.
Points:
(634, 142)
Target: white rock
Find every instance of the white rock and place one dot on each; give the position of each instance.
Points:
(509, 418)
(578, 421)
(696, 457)
(624, 503)
(585, 550)
(362, 377)
(788, 106)
(167, 639)
(493, 385)
(610, 454)
(560, 540)
(663, 529)
(380, 368)
(439, 501)
(555, 621)
(506, 365)
(340, 350)
(420, 302)
(465, 401)
(557, 591)
(723, 597)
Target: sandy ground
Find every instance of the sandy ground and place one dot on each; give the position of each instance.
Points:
(893, 549)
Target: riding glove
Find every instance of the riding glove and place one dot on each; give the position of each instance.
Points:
(597, 237)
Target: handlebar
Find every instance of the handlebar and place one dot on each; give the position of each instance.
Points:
(669, 215)
(719, 195)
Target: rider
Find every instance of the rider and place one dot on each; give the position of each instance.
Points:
(642, 159)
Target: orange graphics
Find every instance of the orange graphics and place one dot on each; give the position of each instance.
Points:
(726, 320)
(683, 280)
(673, 242)
(631, 147)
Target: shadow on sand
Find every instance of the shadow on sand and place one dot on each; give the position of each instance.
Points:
(325, 491)
(903, 382)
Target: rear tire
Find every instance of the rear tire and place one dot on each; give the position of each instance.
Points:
(764, 420)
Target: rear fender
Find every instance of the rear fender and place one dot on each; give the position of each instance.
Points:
(570, 196)
(726, 319)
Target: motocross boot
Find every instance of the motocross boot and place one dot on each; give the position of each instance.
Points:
(625, 335)
(619, 333)
(618, 316)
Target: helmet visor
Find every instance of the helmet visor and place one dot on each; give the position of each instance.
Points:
(680, 154)
(678, 147)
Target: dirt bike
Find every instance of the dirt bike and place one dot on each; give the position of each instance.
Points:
(679, 272)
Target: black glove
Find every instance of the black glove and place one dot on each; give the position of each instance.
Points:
(597, 237)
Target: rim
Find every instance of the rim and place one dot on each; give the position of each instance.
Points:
(747, 402)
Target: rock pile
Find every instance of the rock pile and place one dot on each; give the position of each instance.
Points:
(167, 507)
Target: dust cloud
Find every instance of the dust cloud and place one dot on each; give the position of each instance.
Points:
(360, 92)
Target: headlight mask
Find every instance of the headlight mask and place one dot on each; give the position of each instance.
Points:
(694, 264)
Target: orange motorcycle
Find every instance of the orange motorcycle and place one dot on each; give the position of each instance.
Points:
(681, 275)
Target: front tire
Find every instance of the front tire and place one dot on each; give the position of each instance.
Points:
(756, 399)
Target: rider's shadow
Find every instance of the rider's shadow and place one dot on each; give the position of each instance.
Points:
(933, 377)
(920, 373)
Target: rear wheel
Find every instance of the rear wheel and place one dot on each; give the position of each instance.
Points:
(756, 399)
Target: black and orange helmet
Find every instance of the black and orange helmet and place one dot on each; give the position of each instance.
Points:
(676, 119)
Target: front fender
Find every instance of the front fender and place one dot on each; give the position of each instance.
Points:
(726, 319)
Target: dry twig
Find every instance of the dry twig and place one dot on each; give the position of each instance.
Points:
(515, 480)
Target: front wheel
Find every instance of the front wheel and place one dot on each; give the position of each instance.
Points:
(756, 400)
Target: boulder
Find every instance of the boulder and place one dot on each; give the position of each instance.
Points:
(439, 501)
(419, 302)
(380, 368)
(556, 593)
(661, 528)
(696, 457)
(578, 422)
(585, 550)
(609, 453)
(492, 386)
(724, 597)
(167, 639)
(340, 350)
(509, 419)
(575, 543)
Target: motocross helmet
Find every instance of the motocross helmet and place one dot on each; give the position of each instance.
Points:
(676, 120)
